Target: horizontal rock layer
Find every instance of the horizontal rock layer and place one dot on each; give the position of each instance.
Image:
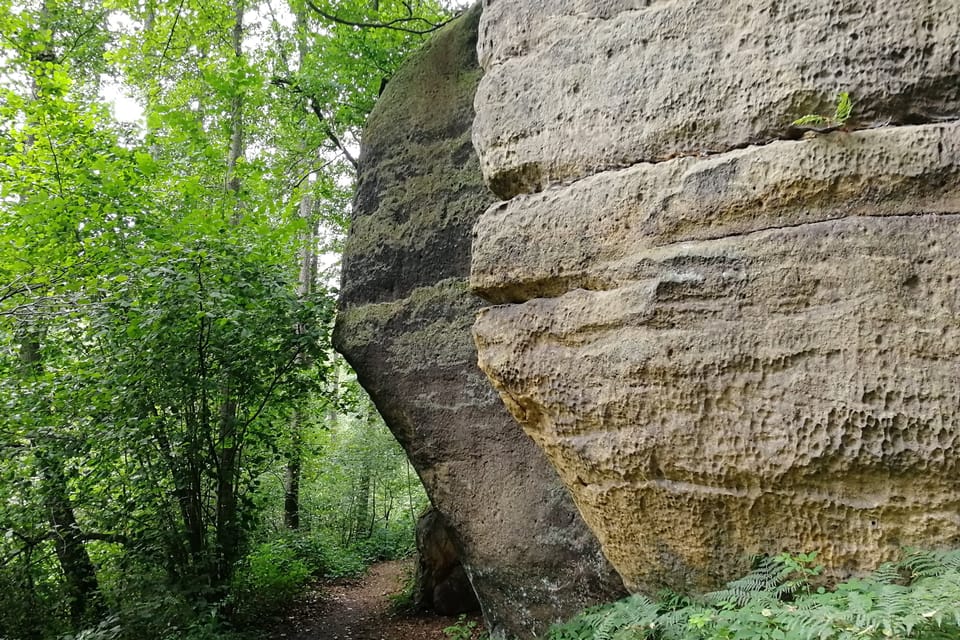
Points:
(598, 232)
(740, 354)
(575, 87)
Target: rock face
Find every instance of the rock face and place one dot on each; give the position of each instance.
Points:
(727, 349)
(574, 87)
(441, 584)
(404, 324)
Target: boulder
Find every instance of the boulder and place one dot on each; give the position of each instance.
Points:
(440, 583)
(728, 343)
(404, 324)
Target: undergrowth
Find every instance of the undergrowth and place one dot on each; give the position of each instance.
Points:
(915, 598)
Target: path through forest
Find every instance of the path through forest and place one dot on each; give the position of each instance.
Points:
(358, 610)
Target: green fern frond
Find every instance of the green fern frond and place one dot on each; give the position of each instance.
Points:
(635, 612)
(922, 564)
(877, 607)
(809, 120)
(842, 112)
(844, 108)
(889, 573)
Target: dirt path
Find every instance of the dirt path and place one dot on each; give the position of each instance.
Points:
(358, 610)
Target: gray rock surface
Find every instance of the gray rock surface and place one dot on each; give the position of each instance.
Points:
(440, 583)
(744, 351)
(404, 324)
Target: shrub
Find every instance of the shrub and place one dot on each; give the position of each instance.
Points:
(269, 576)
(403, 601)
(387, 543)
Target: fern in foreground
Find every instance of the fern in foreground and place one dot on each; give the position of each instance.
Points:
(915, 598)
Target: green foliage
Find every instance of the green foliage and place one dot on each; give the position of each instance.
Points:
(844, 108)
(402, 601)
(270, 575)
(842, 113)
(463, 629)
(917, 597)
(359, 495)
(339, 561)
(156, 339)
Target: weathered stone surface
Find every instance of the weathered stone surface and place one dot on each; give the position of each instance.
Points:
(728, 349)
(404, 324)
(596, 233)
(578, 86)
(747, 353)
(440, 583)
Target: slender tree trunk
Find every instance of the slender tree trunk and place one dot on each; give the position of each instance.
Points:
(34, 630)
(83, 589)
(291, 494)
(373, 506)
(308, 274)
(80, 576)
(236, 113)
(188, 490)
(227, 526)
(362, 503)
(307, 277)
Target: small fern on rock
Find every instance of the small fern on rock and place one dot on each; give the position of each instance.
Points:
(841, 114)
(915, 598)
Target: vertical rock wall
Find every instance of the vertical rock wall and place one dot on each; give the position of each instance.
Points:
(404, 324)
(728, 341)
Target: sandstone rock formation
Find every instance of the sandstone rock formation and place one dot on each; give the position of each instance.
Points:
(440, 584)
(728, 349)
(578, 86)
(404, 324)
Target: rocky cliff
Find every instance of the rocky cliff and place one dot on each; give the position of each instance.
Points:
(404, 324)
(728, 338)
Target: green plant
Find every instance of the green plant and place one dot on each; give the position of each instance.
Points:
(915, 598)
(403, 600)
(268, 577)
(342, 562)
(463, 629)
(842, 112)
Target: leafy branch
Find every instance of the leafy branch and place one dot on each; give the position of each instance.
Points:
(314, 105)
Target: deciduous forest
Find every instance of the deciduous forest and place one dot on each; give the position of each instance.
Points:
(180, 447)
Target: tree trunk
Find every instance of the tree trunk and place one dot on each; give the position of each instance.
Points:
(83, 590)
(291, 494)
(308, 274)
(80, 576)
(227, 526)
(361, 503)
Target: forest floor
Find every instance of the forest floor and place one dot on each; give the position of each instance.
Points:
(358, 609)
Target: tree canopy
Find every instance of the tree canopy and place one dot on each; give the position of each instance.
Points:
(172, 408)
